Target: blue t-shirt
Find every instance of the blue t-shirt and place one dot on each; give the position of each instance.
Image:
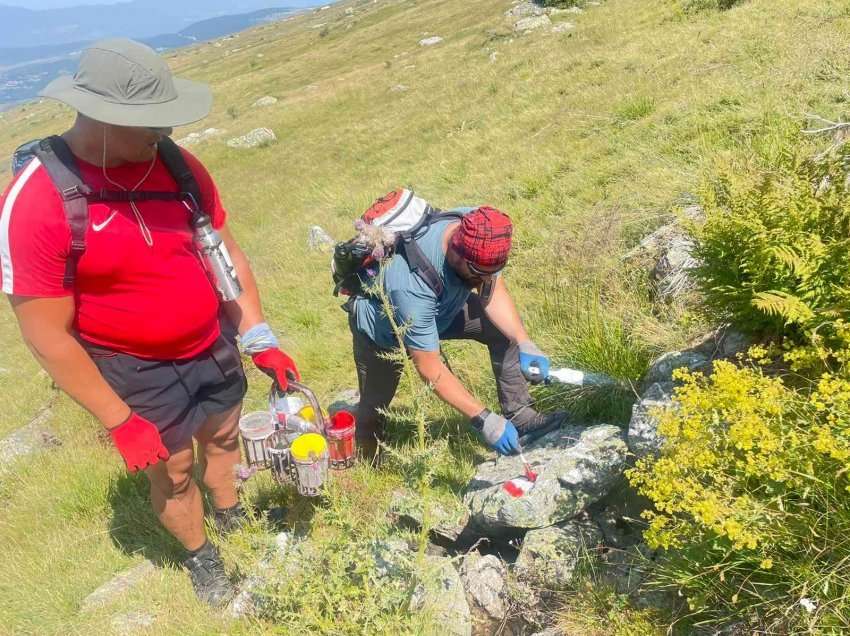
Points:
(415, 304)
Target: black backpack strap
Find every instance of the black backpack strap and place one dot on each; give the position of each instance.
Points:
(420, 265)
(58, 161)
(176, 164)
(413, 254)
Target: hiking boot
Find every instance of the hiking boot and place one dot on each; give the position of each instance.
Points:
(532, 425)
(229, 520)
(208, 578)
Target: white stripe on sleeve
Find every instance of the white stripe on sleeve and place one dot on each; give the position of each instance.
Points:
(5, 219)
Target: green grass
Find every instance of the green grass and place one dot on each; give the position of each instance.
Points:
(588, 141)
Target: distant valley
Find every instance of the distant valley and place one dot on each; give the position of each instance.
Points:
(27, 67)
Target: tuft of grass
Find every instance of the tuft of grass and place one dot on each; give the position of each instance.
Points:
(634, 109)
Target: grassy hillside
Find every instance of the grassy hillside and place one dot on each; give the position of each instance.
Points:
(589, 139)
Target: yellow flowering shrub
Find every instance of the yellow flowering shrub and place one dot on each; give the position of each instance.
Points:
(751, 491)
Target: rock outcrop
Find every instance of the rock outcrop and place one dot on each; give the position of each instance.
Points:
(574, 467)
(668, 254)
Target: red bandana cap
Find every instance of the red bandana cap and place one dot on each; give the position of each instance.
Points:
(484, 238)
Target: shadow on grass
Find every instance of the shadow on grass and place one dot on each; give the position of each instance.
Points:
(134, 528)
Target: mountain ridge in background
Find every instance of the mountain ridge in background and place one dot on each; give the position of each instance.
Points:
(21, 27)
(24, 70)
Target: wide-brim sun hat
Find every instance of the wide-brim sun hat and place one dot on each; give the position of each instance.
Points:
(125, 83)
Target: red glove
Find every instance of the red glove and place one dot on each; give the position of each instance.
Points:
(139, 443)
(278, 366)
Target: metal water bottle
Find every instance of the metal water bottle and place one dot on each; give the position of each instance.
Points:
(216, 258)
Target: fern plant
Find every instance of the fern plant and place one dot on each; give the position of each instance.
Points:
(773, 250)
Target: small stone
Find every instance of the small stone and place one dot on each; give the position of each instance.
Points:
(132, 623)
(28, 439)
(485, 580)
(530, 24)
(346, 400)
(198, 137)
(244, 603)
(268, 100)
(642, 437)
(257, 138)
(319, 240)
(393, 559)
(118, 586)
(563, 27)
(282, 542)
(494, 56)
(436, 39)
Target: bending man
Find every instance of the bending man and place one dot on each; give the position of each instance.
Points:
(467, 255)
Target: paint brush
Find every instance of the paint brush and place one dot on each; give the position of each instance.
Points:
(529, 474)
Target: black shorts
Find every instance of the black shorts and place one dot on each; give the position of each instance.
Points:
(176, 395)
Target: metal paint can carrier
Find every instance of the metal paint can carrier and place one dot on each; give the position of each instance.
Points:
(299, 454)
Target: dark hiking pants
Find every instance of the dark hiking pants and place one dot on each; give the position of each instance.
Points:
(378, 377)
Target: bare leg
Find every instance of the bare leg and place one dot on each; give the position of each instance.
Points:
(218, 443)
(176, 499)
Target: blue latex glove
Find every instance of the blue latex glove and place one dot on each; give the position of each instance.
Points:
(533, 362)
(499, 433)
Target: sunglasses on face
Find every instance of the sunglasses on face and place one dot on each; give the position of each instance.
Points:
(480, 272)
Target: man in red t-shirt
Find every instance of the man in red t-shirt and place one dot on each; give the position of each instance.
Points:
(140, 338)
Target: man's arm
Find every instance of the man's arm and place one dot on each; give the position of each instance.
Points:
(445, 384)
(45, 325)
(503, 312)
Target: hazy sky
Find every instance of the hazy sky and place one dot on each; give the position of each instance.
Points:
(53, 4)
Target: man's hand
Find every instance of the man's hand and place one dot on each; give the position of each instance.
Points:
(277, 365)
(499, 433)
(533, 362)
(139, 443)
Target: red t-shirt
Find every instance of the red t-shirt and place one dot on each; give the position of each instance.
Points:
(151, 301)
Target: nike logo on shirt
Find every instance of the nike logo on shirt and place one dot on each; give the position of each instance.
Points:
(97, 227)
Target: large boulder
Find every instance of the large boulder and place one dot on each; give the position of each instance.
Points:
(550, 556)
(574, 467)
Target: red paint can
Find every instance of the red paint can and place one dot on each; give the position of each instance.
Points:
(340, 435)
